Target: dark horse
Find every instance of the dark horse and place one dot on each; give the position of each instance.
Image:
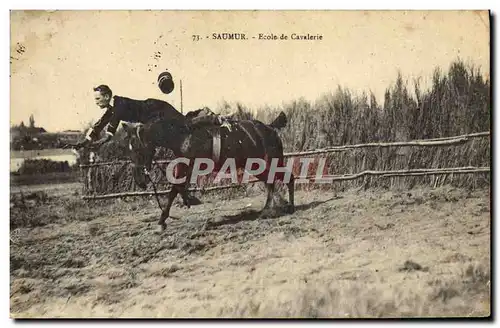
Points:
(245, 139)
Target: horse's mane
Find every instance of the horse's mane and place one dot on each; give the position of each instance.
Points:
(192, 114)
(162, 123)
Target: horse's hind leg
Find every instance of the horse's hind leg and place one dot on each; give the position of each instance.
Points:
(270, 193)
(291, 194)
(268, 210)
(179, 171)
(166, 211)
(184, 188)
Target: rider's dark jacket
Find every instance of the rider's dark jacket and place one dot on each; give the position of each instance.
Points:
(131, 110)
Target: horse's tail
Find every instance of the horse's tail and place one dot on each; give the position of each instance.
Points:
(280, 121)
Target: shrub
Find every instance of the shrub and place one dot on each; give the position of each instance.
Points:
(42, 166)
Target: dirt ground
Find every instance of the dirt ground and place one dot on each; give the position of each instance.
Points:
(424, 252)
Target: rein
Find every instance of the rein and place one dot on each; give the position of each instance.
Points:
(154, 187)
(148, 174)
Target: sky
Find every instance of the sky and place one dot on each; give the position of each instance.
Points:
(64, 54)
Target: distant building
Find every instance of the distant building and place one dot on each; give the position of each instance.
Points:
(25, 130)
(22, 137)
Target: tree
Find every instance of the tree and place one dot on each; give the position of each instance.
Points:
(32, 121)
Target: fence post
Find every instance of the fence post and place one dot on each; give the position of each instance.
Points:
(90, 169)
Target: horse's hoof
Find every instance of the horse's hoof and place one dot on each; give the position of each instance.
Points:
(162, 224)
(290, 209)
(269, 213)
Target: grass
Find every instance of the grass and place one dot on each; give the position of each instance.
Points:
(46, 178)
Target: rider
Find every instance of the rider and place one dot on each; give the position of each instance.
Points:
(117, 108)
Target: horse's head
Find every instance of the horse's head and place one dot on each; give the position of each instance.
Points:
(141, 152)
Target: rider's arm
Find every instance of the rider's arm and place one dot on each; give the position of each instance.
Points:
(116, 116)
(96, 129)
(119, 110)
(113, 122)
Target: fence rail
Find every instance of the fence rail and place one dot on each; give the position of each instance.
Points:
(419, 143)
(326, 178)
(446, 141)
(331, 178)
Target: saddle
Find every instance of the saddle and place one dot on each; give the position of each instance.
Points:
(214, 126)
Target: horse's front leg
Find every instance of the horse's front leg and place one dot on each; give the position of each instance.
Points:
(185, 196)
(178, 172)
(166, 211)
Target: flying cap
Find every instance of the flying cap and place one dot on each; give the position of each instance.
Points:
(166, 82)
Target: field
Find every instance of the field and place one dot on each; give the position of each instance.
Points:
(374, 253)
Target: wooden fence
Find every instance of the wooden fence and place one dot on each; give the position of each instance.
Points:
(437, 142)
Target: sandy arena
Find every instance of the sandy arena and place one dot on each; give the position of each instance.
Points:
(424, 252)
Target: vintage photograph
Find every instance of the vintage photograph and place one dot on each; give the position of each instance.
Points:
(250, 164)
